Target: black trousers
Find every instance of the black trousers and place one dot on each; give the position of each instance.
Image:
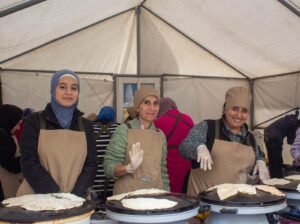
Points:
(274, 149)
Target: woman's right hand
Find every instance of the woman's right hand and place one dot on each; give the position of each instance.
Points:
(204, 158)
(136, 155)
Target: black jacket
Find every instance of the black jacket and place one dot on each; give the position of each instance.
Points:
(8, 149)
(40, 179)
(281, 128)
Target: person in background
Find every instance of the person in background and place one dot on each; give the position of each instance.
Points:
(224, 150)
(10, 169)
(129, 114)
(26, 112)
(176, 126)
(295, 149)
(58, 152)
(274, 135)
(136, 155)
(104, 126)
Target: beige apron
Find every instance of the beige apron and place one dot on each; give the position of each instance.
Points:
(148, 175)
(10, 181)
(232, 161)
(62, 153)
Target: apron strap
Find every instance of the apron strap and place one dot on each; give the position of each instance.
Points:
(130, 127)
(217, 130)
(178, 118)
(175, 116)
(174, 126)
(43, 122)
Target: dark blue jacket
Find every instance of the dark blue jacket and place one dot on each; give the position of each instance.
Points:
(281, 128)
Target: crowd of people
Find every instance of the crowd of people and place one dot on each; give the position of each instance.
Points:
(156, 146)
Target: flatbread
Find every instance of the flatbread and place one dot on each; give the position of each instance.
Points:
(148, 203)
(270, 189)
(137, 192)
(227, 190)
(45, 202)
(293, 177)
(276, 181)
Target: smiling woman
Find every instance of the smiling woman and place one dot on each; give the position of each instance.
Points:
(224, 151)
(66, 91)
(136, 154)
(58, 144)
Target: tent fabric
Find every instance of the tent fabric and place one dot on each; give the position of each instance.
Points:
(33, 89)
(76, 51)
(177, 54)
(44, 22)
(200, 48)
(259, 38)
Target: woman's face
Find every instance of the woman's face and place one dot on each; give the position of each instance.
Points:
(66, 92)
(16, 127)
(148, 109)
(235, 117)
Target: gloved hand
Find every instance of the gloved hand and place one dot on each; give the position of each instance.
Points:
(262, 170)
(136, 157)
(204, 158)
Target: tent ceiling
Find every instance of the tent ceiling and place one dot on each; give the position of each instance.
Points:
(257, 38)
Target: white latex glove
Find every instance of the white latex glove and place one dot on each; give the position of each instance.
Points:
(262, 170)
(136, 157)
(204, 158)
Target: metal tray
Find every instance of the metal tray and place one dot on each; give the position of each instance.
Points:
(241, 199)
(21, 215)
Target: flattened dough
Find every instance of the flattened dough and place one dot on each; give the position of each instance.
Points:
(45, 202)
(148, 203)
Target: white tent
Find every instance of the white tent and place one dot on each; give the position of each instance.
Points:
(196, 49)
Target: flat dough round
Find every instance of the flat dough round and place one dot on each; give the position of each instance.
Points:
(276, 181)
(293, 177)
(137, 192)
(148, 203)
(270, 189)
(227, 190)
(45, 202)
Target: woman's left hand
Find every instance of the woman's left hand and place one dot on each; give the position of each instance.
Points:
(262, 170)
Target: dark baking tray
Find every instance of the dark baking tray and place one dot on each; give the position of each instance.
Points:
(21, 215)
(185, 203)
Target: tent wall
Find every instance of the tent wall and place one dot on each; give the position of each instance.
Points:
(274, 96)
(202, 98)
(95, 49)
(32, 89)
(44, 22)
(163, 49)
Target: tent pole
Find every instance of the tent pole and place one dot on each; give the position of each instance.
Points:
(138, 40)
(251, 86)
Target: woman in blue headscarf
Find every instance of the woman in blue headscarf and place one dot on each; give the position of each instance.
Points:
(58, 152)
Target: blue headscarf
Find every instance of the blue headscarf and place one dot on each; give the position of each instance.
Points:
(106, 115)
(64, 115)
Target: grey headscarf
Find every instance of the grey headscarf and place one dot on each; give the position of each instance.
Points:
(165, 105)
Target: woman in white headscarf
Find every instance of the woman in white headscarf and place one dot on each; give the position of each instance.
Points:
(223, 150)
(58, 152)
